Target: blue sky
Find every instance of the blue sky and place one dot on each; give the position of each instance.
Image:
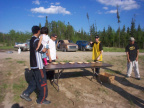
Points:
(21, 15)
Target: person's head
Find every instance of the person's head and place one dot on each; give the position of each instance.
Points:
(54, 37)
(36, 30)
(132, 40)
(44, 30)
(97, 38)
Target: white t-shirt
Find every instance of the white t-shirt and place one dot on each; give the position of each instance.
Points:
(52, 47)
(45, 40)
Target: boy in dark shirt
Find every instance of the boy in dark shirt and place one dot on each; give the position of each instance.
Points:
(132, 52)
(38, 80)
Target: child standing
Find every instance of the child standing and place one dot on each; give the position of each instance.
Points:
(44, 40)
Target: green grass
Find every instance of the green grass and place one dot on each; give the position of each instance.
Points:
(18, 88)
(66, 61)
(103, 90)
(20, 62)
(141, 50)
(8, 58)
(89, 60)
(3, 88)
(141, 58)
(6, 47)
(114, 49)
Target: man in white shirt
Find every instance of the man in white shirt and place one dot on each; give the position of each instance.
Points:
(52, 55)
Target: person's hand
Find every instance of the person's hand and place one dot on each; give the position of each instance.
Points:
(47, 54)
(98, 58)
(36, 49)
(129, 61)
(137, 59)
(91, 42)
(56, 57)
(50, 60)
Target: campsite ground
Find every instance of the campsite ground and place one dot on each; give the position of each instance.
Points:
(76, 89)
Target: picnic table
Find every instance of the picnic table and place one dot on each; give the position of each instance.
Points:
(62, 67)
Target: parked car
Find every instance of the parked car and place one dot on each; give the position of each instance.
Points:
(66, 45)
(83, 45)
(23, 46)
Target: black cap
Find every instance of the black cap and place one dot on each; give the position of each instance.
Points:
(97, 36)
(53, 35)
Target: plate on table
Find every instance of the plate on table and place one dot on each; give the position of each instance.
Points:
(62, 62)
(79, 62)
(86, 62)
(93, 62)
(71, 62)
(54, 63)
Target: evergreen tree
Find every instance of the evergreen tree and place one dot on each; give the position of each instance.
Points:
(46, 23)
(133, 30)
(118, 17)
(40, 25)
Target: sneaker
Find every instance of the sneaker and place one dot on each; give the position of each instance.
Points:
(138, 78)
(45, 102)
(26, 97)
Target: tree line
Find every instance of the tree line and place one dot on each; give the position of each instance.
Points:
(108, 36)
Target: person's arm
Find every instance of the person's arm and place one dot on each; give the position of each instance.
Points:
(137, 55)
(50, 60)
(40, 41)
(49, 55)
(127, 54)
(56, 57)
(41, 48)
(91, 44)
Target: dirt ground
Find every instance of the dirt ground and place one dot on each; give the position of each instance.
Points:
(76, 88)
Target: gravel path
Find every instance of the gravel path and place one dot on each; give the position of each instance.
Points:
(63, 56)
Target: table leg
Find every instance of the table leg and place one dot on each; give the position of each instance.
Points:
(59, 74)
(94, 76)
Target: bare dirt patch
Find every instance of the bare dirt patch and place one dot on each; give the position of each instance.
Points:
(76, 88)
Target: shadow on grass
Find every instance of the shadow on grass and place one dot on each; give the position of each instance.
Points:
(131, 98)
(74, 74)
(114, 71)
(123, 80)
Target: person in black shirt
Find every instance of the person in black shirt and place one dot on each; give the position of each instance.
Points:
(38, 80)
(132, 52)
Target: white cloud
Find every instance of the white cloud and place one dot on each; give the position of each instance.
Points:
(112, 11)
(124, 4)
(36, 2)
(51, 10)
(41, 16)
(105, 8)
(57, 3)
(99, 12)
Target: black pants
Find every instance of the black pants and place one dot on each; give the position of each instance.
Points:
(50, 73)
(97, 69)
(38, 81)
